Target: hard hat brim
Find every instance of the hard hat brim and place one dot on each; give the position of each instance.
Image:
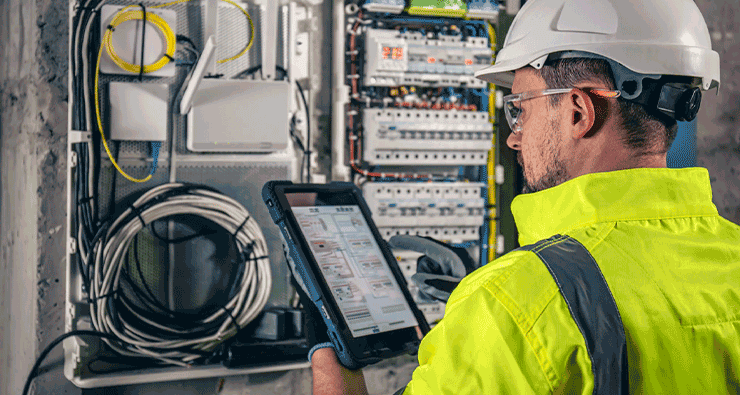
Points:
(502, 72)
(503, 79)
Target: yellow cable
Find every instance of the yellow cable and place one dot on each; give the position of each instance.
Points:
(166, 30)
(100, 122)
(249, 18)
(491, 164)
(136, 15)
(251, 34)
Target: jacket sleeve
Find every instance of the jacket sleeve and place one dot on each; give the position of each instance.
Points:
(479, 348)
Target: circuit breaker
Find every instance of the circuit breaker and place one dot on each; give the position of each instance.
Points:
(442, 210)
(418, 137)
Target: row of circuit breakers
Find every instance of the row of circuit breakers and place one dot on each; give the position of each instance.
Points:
(411, 58)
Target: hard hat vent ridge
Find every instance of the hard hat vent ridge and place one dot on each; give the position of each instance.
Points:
(590, 16)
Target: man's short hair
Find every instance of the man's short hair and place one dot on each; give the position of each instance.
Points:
(646, 132)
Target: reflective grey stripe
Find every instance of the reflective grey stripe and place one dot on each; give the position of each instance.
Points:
(592, 306)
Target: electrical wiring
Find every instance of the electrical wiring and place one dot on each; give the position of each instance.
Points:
(124, 16)
(308, 133)
(133, 15)
(155, 144)
(491, 162)
(153, 332)
(35, 369)
(249, 18)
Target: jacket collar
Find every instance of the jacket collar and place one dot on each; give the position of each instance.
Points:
(623, 195)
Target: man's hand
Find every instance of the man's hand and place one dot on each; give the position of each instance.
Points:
(331, 378)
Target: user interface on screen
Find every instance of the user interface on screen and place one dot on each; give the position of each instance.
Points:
(355, 269)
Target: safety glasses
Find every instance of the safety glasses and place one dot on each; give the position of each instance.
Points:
(513, 108)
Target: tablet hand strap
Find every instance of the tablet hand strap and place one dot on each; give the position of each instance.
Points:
(317, 334)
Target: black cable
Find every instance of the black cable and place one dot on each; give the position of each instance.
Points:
(134, 364)
(112, 197)
(143, 40)
(308, 133)
(35, 369)
(248, 71)
(186, 39)
(84, 165)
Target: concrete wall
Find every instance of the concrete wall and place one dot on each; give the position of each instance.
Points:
(33, 123)
(33, 108)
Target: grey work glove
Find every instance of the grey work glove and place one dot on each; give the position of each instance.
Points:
(441, 267)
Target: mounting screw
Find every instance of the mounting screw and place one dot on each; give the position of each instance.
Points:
(72, 245)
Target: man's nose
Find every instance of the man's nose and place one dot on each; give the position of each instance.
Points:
(514, 142)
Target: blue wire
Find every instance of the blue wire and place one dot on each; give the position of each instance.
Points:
(467, 244)
(156, 145)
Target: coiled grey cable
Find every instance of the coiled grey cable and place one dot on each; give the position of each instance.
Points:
(110, 254)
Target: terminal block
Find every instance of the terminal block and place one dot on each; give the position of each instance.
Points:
(395, 58)
(422, 137)
(451, 211)
(390, 6)
(483, 9)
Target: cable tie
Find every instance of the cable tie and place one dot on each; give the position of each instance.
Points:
(168, 57)
(138, 214)
(236, 232)
(109, 294)
(233, 319)
(248, 250)
(111, 28)
(143, 41)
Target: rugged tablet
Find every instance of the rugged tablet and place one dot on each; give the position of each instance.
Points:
(345, 267)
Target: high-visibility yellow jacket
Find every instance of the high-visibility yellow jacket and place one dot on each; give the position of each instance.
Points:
(671, 263)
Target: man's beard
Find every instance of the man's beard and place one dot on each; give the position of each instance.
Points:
(555, 173)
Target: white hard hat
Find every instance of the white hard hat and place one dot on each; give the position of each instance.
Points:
(651, 38)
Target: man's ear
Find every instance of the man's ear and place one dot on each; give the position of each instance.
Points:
(583, 113)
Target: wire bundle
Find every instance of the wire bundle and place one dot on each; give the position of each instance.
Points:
(158, 22)
(153, 332)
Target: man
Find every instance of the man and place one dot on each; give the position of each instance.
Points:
(598, 87)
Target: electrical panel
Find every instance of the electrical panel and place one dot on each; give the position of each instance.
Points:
(413, 58)
(418, 125)
(414, 137)
(415, 126)
(166, 154)
(442, 210)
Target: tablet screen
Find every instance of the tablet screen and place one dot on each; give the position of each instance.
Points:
(355, 269)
